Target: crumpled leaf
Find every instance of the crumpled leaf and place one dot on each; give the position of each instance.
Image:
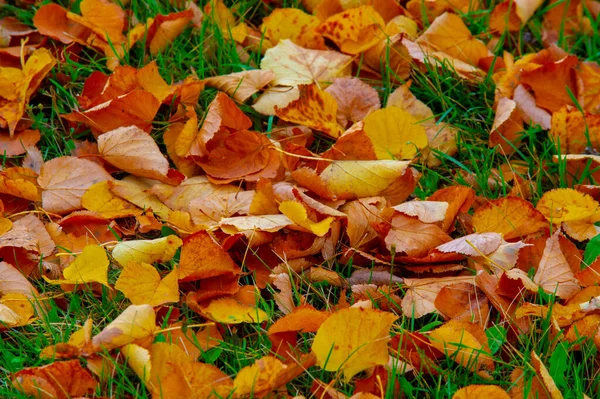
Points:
(352, 340)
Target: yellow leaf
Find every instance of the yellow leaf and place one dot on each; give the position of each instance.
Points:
(395, 133)
(463, 342)
(136, 322)
(98, 198)
(258, 379)
(146, 251)
(481, 391)
(141, 284)
(230, 311)
(315, 108)
(566, 204)
(138, 359)
(354, 30)
(15, 310)
(352, 179)
(297, 214)
(292, 24)
(353, 340)
(91, 266)
(134, 190)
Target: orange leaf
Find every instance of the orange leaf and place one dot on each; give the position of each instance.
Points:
(20, 182)
(51, 20)
(513, 217)
(165, 28)
(292, 24)
(135, 108)
(410, 236)
(243, 155)
(104, 18)
(134, 151)
(354, 30)
(574, 132)
(315, 108)
(19, 143)
(554, 275)
(64, 180)
(202, 258)
(551, 83)
(60, 380)
(241, 85)
(481, 391)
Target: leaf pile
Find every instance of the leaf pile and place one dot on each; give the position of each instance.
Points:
(203, 220)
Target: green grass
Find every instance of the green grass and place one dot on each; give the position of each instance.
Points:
(466, 105)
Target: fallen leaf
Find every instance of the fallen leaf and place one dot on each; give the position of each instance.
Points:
(314, 108)
(165, 28)
(481, 391)
(554, 274)
(354, 30)
(352, 340)
(201, 257)
(133, 150)
(421, 293)
(146, 251)
(573, 131)
(355, 99)
(135, 322)
(230, 311)
(292, 24)
(141, 284)
(91, 266)
(297, 214)
(294, 65)
(60, 380)
(414, 238)
(135, 190)
(241, 85)
(465, 343)
(99, 199)
(64, 180)
(513, 217)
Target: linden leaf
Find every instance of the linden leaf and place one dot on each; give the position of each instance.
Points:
(395, 133)
(60, 380)
(315, 108)
(141, 284)
(146, 251)
(352, 340)
(241, 85)
(566, 204)
(201, 258)
(355, 99)
(297, 213)
(292, 24)
(230, 311)
(465, 343)
(554, 275)
(413, 237)
(135, 190)
(99, 199)
(135, 151)
(65, 180)
(354, 30)
(135, 322)
(89, 267)
(294, 65)
(513, 217)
